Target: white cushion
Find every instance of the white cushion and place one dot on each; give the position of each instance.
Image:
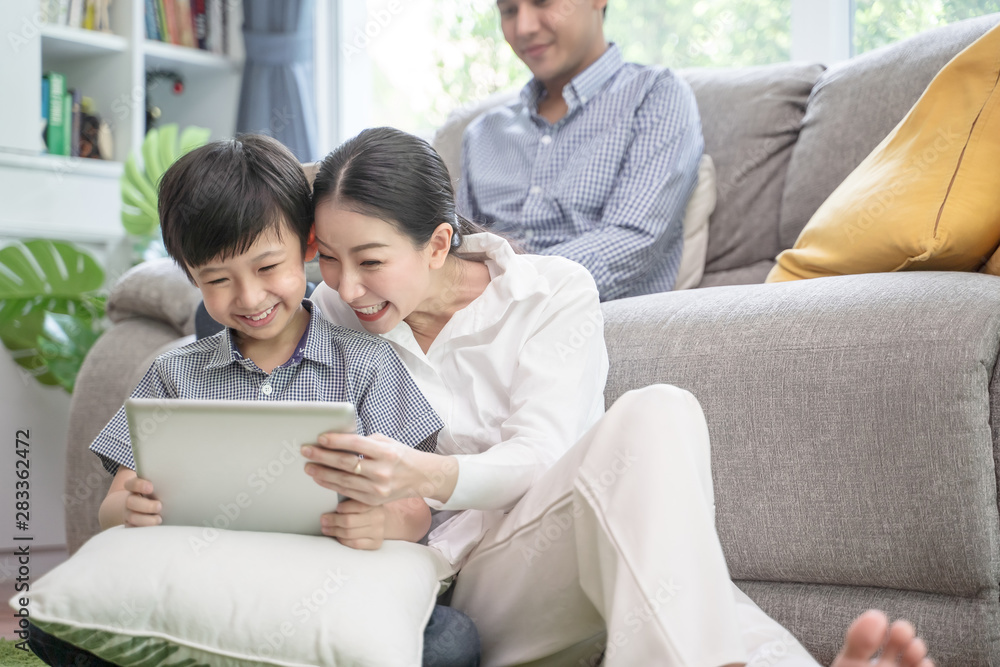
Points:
(168, 594)
(699, 209)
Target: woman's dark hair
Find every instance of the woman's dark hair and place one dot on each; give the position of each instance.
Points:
(388, 174)
(218, 199)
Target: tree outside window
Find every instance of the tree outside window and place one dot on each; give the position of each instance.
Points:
(881, 22)
(441, 54)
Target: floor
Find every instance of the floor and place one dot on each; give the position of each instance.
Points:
(41, 561)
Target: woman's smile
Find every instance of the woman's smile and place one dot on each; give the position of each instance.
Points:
(371, 313)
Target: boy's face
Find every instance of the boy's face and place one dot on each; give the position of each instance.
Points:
(556, 39)
(257, 293)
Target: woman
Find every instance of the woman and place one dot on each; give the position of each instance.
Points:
(568, 523)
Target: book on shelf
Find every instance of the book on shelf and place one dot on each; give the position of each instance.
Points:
(45, 111)
(55, 132)
(67, 125)
(85, 14)
(75, 117)
(152, 20)
(72, 126)
(199, 24)
(76, 13)
(185, 24)
(200, 19)
(173, 31)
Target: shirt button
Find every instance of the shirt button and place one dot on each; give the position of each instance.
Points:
(534, 190)
(547, 139)
(265, 389)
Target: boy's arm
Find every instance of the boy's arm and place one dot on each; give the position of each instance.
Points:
(127, 502)
(408, 519)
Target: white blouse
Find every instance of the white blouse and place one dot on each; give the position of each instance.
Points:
(517, 376)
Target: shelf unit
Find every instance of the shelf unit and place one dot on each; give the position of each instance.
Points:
(78, 199)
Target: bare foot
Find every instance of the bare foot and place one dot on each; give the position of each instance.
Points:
(869, 632)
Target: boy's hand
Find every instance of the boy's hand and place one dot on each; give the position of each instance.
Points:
(356, 525)
(141, 510)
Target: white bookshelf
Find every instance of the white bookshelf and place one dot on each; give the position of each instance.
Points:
(78, 199)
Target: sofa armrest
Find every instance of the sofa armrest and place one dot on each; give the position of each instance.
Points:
(152, 307)
(850, 420)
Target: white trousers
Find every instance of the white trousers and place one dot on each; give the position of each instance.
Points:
(614, 549)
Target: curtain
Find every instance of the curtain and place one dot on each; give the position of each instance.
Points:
(278, 96)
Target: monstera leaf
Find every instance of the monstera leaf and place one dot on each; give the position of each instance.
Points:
(50, 313)
(160, 149)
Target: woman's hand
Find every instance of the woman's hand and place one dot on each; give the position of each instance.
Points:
(362, 526)
(376, 470)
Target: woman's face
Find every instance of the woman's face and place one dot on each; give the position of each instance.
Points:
(373, 266)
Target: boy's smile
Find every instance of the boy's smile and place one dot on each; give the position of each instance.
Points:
(258, 294)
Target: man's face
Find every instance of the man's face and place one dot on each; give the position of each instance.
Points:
(556, 39)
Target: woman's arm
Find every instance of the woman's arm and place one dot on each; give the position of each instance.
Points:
(555, 393)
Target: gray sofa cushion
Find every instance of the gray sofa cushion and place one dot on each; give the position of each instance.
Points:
(960, 632)
(750, 117)
(879, 471)
(157, 289)
(745, 275)
(854, 105)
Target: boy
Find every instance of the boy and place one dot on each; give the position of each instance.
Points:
(236, 216)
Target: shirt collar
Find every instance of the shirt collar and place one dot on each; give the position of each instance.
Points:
(226, 351)
(511, 280)
(584, 86)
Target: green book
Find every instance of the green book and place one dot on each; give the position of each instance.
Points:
(164, 36)
(59, 116)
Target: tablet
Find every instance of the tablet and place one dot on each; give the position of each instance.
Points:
(234, 465)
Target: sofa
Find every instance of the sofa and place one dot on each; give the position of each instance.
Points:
(855, 420)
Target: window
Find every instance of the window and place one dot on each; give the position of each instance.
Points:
(420, 59)
(881, 22)
(717, 33)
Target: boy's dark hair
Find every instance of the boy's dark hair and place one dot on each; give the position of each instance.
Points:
(218, 199)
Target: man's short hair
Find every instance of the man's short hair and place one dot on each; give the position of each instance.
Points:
(218, 199)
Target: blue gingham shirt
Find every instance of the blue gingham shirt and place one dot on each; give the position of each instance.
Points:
(330, 363)
(607, 185)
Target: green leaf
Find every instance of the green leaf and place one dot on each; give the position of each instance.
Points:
(138, 179)
(47, 268)
(139, 224)
(64, 343)
(151, 157)
(49, 316)
(167, 143)
(192, 137)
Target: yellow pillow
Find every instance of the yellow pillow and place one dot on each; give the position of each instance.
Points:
(928, 196)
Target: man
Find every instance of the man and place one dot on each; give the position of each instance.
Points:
(597, 159)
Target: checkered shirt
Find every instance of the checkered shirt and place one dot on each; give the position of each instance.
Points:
(330, 363)
(607, 185)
